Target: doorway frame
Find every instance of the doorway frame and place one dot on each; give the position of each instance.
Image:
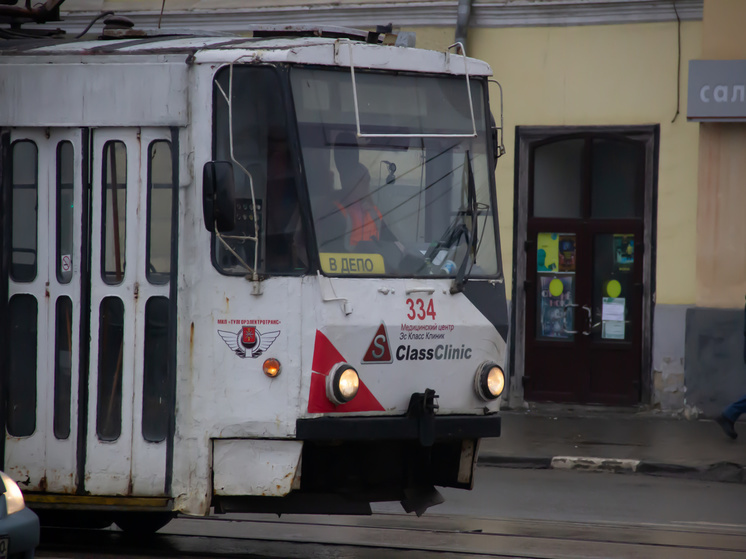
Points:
(525, 137)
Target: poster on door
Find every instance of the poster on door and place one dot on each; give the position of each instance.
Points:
(555, 317)
(566, 255)
(624, 252)
(612, 318)
(547, 252)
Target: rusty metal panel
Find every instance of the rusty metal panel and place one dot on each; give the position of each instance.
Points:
(255, 467)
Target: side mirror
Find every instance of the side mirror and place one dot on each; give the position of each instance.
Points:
(218, 196)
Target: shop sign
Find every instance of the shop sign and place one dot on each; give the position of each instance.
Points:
(717, 91)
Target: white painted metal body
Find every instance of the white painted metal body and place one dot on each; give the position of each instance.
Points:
(233, 424)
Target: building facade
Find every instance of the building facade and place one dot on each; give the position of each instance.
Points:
(620, 212)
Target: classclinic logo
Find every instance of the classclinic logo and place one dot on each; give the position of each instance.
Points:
(378, 350)
(248, 341)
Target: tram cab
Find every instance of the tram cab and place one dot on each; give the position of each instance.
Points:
(246, 274)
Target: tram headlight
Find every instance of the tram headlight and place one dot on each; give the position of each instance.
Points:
(13, 496)
(271, 367)
(342, 384)
(489, 381)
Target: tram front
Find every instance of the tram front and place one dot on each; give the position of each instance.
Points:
(372, 196)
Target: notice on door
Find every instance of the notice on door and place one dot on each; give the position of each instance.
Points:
(612, 317)
(547, 252)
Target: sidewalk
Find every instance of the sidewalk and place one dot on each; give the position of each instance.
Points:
(616, 440)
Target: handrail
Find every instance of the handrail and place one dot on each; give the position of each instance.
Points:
(360, 134)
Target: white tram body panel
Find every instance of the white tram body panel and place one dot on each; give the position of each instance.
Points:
(229, 433)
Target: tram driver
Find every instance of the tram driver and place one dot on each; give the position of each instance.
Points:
(354, 223)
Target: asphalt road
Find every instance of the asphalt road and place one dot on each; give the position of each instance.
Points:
(545, 514)
(592, 497)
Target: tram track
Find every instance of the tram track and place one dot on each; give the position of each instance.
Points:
(395, 535)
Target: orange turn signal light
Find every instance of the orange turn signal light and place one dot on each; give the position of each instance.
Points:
(271, 367)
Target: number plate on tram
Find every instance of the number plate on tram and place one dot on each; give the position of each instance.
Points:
(4, 545)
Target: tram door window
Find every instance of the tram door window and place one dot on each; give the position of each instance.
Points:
(110, 360)
(24, 192)
(114, 222)
(22, 379)
(160, 194)
(155, 399)
(63, 366)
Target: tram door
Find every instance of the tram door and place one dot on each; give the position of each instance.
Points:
(130, 269)
(44, 314)
(100, 260)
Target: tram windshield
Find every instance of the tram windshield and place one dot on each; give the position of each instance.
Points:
(404, 203)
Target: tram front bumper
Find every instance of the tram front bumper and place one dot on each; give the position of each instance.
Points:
(398, 428)
(421, 423)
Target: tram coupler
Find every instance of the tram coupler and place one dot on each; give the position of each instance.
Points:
(422, 408)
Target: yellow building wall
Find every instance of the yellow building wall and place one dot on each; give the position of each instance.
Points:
(433, 38)
(721, 225)
(723, 29)
(605, 75)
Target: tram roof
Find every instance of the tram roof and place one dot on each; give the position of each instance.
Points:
(224, 49)
(99, 82)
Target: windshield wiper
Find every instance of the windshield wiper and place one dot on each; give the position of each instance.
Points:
(470, 257)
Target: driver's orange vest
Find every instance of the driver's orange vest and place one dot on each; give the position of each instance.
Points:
(364, 225)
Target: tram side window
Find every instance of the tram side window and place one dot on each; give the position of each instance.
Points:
(21, 416)
(114, 229)
(110, 355)
(160, 195)
(63, 367)
(65, 185)
(156, 395)
(24, 215)
(260, 145)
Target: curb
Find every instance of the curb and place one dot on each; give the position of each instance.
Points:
(728, 472)
(592, 464)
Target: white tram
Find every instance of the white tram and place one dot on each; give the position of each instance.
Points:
(254, 274)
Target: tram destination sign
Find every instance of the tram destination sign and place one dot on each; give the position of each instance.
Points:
(717, 91)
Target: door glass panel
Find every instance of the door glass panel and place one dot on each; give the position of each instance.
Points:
(160, 194)
(616, 179)
(22, 378)
(63, 367)
(555, 267)
(25, 211)
(557, 178)
(65, 176)
(156, 393)
(114, 225)
(110, 355)
(613, 273)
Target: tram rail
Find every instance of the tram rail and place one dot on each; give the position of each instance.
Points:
(396, 535)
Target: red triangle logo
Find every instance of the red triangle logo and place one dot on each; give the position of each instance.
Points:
(379, 351)
(325, 356)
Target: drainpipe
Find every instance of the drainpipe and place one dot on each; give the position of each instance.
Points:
(462, 21)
